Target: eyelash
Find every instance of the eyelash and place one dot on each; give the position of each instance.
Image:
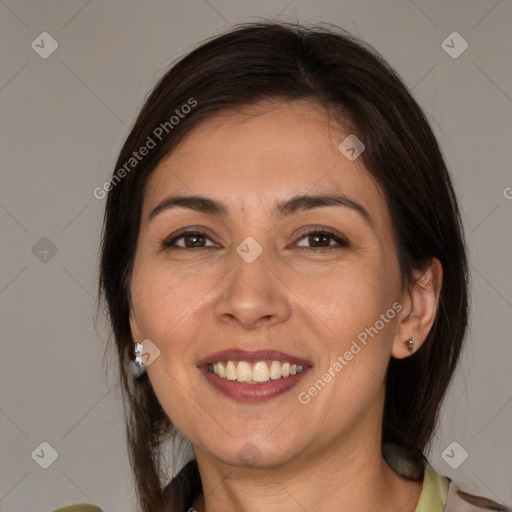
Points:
(324, 231)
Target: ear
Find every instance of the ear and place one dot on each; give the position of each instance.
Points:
(419, 310)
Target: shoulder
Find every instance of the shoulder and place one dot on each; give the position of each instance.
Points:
(79, 507)
(460, 501)
(439, 493)
(448, 496)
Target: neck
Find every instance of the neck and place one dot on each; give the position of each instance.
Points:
(349, 472)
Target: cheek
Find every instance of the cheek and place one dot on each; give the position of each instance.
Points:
(347, 306)
(167, 305)
(163, 299)
(355, 340)
(346, 301)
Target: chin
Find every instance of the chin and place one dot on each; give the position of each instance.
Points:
(251, 453)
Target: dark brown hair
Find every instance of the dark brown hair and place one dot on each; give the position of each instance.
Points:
(330, 68)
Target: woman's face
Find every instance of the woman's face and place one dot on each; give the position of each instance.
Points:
(264, 275)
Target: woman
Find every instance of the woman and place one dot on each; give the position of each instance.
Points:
(283, 259)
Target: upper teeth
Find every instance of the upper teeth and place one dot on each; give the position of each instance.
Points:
(261, 371)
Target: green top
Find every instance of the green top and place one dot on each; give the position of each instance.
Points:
(433, 494)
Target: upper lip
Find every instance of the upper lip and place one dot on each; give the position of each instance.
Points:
(236, 354)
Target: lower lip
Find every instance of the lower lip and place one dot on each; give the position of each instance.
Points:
(242, 392)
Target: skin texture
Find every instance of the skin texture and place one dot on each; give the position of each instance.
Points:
(310, 303)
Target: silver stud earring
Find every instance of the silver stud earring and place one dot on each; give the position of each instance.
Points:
(137, 350)
(137, 365)
(410, 345)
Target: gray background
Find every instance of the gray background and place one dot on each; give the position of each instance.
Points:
(63, 120)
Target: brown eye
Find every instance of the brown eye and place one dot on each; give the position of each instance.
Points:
(319, 239)
(189, 240)
(194, 240)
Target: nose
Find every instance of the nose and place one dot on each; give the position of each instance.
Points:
(252, 296)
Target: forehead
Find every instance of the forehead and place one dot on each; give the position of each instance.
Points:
(263, 153)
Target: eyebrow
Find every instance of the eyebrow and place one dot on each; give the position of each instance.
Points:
(285, 208)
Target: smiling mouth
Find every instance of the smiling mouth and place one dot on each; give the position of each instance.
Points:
(254, 373)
